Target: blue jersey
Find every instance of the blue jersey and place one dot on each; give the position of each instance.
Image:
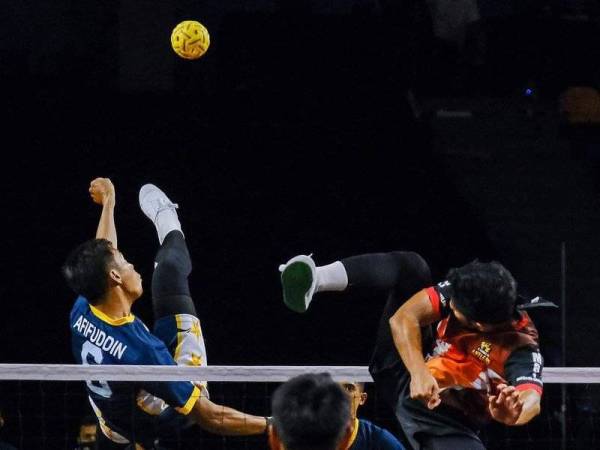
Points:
(368, 436)
(98, 339)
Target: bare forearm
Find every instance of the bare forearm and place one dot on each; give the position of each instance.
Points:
(106, 225)
(531, 407)
(406, 332)
(102, 192)
(405, 326)
(226, 421)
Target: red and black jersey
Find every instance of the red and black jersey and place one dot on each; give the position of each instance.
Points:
(468, 364)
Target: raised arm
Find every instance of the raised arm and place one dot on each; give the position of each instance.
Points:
(102, 192)
(226, 421)
(406, 326)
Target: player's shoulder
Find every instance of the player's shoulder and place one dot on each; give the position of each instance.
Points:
(79, 305)
(142, 334)
(369, 426)
(444, 290)
(378, 437)
(80, 302)
(440, 295)
(525, 353)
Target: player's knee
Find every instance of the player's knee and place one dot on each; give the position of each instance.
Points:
(172, 265)
(412, 265)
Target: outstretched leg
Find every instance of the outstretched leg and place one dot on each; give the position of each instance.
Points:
(176, 321)
(170, 287)
(398, 275)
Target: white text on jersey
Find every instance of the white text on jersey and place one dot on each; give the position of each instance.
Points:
(99, 338)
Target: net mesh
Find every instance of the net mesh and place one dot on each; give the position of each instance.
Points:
(43, 405)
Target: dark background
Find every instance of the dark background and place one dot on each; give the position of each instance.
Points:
(328, 128)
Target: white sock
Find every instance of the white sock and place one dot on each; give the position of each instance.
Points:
(332, 277)
(166, 221)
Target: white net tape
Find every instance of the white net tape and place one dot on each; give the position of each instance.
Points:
(73, 372)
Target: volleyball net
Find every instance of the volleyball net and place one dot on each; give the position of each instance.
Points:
(43, 404)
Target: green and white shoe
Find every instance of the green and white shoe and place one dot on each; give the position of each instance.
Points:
(299, 281)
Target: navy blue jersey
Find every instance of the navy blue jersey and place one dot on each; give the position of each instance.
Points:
(368, 436)
(98, 339)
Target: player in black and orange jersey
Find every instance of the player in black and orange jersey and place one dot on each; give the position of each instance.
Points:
(480, 362)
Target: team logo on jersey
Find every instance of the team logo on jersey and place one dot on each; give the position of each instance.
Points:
(483, 352)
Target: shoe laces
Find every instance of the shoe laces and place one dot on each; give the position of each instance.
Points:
(163, 205)
(166, 204)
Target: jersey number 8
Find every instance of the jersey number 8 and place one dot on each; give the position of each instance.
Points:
(90, 354)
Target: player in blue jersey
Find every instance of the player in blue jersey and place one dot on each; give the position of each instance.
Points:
(310, 412)
(104, 331)
(366, 435)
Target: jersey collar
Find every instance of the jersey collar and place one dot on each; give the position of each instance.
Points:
(116, 322)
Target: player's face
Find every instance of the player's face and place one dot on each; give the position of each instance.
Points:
(357, 396)
(87, 434)
(131, 281)
(471, 324)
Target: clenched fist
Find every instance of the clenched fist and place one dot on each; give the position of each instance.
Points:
(102, 191)
(506, 405)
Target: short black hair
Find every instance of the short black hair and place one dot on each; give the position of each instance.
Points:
(86, 269)
(484, 292)
(310, 412)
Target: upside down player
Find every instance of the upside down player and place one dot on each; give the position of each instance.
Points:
(105, 332)
(481, 362)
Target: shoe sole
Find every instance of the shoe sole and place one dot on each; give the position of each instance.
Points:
(296, 280)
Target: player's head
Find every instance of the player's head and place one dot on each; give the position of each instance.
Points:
(310, 412)
(95, 268)
(483, 294)
(356, 393)
(88, 429)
